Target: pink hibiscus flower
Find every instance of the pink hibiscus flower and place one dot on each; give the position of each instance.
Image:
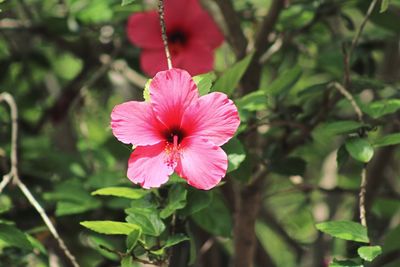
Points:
(192, 37)
(177, 131)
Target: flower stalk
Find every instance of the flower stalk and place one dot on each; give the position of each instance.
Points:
(164, 32)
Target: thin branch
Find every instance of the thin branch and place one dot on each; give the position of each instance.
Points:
(363, 186)
(267, 26)
(271, 51)
(46, 220)
(14, 136)
(13, 175)
(363, 190)
(251, 78)
(131, 75)
(164, 32)
(348, 53)
(360, 30)
(349, 97)
(76, 88)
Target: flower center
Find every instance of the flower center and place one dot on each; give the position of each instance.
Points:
(173, 137)
(177, 37)
(177, 40)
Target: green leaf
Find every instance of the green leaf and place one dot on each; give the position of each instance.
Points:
(125, 192)
(196, 201)
(127, 261)
(381, 108)
(176, 200)
(337, 127)
(204, 82)
(313, 89)
(360, 149)
(388, 140)
(69, 208)
(215, 218)
(175, 239)
(369, 253)
(346, 230)
(110, 227)
(253, 101)
(12, 237)
(127, 2)
(146, 91)
(236, 154)
(96, 12)
(5, 203)
(151, 223)
(344, 263)
(36, 244)
(284, 82)
(384, 5)
(132, 238)
(67, 66)
(72, 198)
(144, 213)
(231, 77)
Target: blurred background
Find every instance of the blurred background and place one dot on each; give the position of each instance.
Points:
(69, 62)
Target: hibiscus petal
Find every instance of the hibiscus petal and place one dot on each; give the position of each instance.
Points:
(212, 37)
(177, 11)
(195, 57)
(147, 166)
(189, 16)
(201, 163)
(171, 92)
(134, 123)
(143, 30)
(153, 61)
(213, 116)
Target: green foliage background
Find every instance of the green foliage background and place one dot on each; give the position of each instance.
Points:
(68, 63)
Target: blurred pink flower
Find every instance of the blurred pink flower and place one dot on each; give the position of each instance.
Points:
(177, 131)
(192, 37)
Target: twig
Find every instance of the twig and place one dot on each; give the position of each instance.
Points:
(206, 246)
(14, 136)
(348, 53)
(13, 175)
(164, 32)
(271, 51)
(76, 88)
(363, 186)
(107, 61)
(360, 30)
(267, 26)
(349, 97)
(251, 78)
(363, 190)
(131, 75)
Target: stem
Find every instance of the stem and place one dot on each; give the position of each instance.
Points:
(13, 175)
(46, 220)
(347, 54)
(360, 30)
(363, 191)
(350, 98)
(164, 32)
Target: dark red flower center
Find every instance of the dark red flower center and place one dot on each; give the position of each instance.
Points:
(177, 40)
(174, 136)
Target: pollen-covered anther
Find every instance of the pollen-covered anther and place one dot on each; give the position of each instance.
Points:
(172, 151)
